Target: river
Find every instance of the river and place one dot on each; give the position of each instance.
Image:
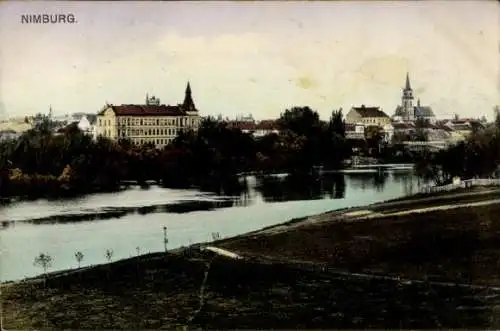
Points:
(131, 222)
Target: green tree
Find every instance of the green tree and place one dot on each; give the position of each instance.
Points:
(374, 137)
(79, 258)
(336, 148)
(109, 255)
(301, 121)
(337, 123)
(497, 118)
(44, 261)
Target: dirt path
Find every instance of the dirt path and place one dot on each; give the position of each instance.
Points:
(371, 215)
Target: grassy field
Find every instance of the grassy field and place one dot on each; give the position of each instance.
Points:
(458, 245)
(290, 279)
(157, 292)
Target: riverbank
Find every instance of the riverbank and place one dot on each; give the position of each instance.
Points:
(298, 274)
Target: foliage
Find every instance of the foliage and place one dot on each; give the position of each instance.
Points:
(43, 260)
(41, 163)
(79, 258)
(497, 119)
(374, 136)
(478, 156)
(215, 236)
(109, 254)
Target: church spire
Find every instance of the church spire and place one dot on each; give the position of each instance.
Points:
(188, 103)
(407, 86)
(407, 101)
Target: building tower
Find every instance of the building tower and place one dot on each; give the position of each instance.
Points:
(152, 101)
(188, 104)
(407, 101)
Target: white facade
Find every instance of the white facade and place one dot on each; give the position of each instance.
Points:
(358, 133)
(86, 127)
(263, 132)
(388, 131)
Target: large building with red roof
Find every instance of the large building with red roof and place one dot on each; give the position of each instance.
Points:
(152, 122)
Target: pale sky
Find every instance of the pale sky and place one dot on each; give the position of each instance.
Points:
(252, 57)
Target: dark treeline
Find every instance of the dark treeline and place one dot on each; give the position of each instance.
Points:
(40, 163)
(476, 157)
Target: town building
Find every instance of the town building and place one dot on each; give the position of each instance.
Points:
(464, 127)
(255, 129)
(387, 133)
(18, 125)
(152, 122)
(265, 127)
(355, 131)
(6, 135)
(368, 116)
(86, 124)
(83, 121)
(408, 111)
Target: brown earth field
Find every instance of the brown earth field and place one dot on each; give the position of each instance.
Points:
(334, 270)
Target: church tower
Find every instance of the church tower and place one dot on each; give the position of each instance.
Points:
(407, 101)
(188, 104)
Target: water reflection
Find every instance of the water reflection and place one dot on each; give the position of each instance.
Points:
(408, 183)
(190, 214)
(301, 187)
(231, 192)
(180, 207)
(374, 179)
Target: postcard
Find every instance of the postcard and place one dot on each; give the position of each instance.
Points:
(249, 164)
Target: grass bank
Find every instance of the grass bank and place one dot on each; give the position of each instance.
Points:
(456, 245)
(290, 278)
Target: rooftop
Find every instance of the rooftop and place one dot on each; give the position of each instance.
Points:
(262, 125)
(146, 110)
(370, 111)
